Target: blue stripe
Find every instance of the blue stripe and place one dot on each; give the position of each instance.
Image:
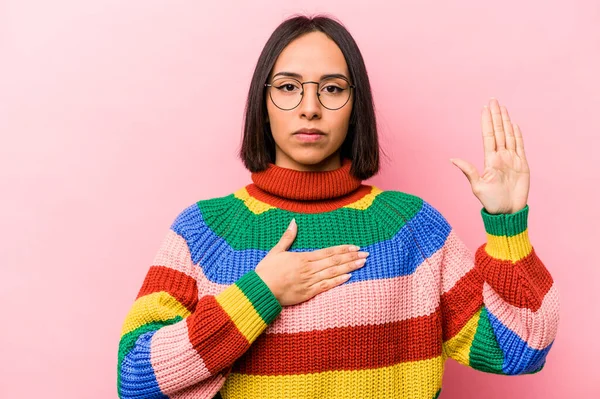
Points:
(398, 256)
(519, 358)
(137, 375)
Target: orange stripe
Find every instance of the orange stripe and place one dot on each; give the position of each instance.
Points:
(522, 284)
(461, 303)
(214, 335)
(179, 285)
(358, 347)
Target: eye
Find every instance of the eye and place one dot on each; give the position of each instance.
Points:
(286, 87)
(331, 89)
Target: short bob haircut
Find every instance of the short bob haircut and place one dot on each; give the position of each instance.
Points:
(361, 144)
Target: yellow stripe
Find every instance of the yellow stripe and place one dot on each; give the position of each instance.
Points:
(512, 248)
(415, 380)
(255, 206)
(158, 306)
(365, 201)
(459, 346)
(242, 312)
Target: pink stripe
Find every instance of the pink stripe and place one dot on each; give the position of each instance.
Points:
(537, 328)
(174, 253)
(361, 303)
(457, 260)
(174, 360)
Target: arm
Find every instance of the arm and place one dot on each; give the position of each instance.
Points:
(175, 342)
(499, 310)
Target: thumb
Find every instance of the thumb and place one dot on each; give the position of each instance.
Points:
(468, 169)
(287, 238)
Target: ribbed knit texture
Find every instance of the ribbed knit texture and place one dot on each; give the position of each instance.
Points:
(205, 323)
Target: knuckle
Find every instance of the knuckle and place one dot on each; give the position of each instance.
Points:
(305, 257)
(305, 280)
(336, 260)
(305, 269)
(329, 251)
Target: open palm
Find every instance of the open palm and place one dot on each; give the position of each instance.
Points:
(504, 185)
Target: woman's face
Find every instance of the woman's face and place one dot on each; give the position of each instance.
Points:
(310, 56)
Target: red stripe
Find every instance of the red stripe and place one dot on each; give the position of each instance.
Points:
(345, 348)
(460, 303)
(179, 285)
(214, 335)
(307, 206)
(522, 284)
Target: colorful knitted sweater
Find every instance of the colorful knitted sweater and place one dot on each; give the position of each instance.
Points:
(204, 322)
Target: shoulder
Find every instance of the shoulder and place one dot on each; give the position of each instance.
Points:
(195, 215)
(412, 208)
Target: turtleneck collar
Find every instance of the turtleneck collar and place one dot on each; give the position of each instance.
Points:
(293, 184)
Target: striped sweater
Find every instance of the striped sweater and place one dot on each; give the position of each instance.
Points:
(205, 324)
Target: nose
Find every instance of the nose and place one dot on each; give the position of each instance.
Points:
(310, 106)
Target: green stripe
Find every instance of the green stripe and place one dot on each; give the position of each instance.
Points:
(505, 224)
(261, 297)
(128, 340)
(437, 395)
(485, 354)
(381, 221)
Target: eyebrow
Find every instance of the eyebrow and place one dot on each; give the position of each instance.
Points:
(298, 76)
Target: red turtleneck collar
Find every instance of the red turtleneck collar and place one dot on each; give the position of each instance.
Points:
(309, 192)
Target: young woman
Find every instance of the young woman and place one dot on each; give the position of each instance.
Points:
(308, 283)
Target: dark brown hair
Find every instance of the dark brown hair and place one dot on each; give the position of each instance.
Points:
(361, 144)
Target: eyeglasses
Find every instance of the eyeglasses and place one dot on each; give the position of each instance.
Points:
(286, 93)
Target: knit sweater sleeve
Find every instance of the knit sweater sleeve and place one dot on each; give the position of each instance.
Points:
(176, 341)
(500, 307)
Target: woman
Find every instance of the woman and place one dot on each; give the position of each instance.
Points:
(308, 283)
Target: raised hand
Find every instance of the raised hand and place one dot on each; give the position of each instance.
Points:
(504, 185)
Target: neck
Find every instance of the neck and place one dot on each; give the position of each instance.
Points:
(294, 184)
(307, 191)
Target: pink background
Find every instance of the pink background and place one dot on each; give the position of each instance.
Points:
(116, 115)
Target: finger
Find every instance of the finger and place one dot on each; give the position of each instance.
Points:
(487, 129)
(288, 237)
(498, 126)
(468, 169)
(519, 141)
(321, 265)
(330, 251)
(325, 285)
(510, 135)
(332, 272)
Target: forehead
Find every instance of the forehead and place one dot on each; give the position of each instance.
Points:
(311, 55)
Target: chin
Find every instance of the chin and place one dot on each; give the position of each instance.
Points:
(311, 158)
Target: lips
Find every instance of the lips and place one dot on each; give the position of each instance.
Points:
(309, 132)
(309, 135)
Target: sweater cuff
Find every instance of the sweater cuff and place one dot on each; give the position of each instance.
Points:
(505, 224)
(250, 304)
(507, 235)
